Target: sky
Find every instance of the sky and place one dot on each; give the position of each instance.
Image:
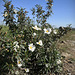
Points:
(64, 11)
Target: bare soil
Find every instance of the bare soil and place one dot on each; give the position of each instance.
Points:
(66, 46)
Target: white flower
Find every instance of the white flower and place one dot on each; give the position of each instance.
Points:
(19, 63)
(15, 11)
(16, 47)
(47, 31)
(21, 31)
(46, 65)
(27, 70)
(36, 28)
(55, 32)
(31, 47)
(39, 28)
(17, 72)
(15, 43)
(6, 14)
(58, 61)
(34, 34)
(40, 42)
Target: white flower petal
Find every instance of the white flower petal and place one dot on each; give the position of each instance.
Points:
(46, 65)
(17, 72)
(40, 42)
(15, 43)
(31, 47)
(30, 44)
(6, 14)
(15, 49)
(36, 28)
(55, 32)
(34, 34)
(58, 61)
(15, 11)
(27, 70)
(39, 28)
(19, 65)
(47, 31)
(17, 46)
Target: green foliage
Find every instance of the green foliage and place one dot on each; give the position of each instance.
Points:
(22, 18)
(40, 14)
(44, 58)
(64, 30)
(9, 15)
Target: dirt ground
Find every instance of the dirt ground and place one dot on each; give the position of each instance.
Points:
(66, 46)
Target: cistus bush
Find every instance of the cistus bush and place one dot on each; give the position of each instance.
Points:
(29, 49)
(33, 51)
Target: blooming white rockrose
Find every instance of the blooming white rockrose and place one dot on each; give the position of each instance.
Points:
(34, 34)
(36, 28)
(6, 14)
(39, 43)
(58, 61)
(46, 65)
(31, 47)
(27, 70)
(17, 72)
(47, 31)
(15, 43)
(16, 47)
(19, 63)
(15, 11)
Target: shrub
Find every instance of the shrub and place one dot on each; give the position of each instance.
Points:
(33, 52)
(32, 48)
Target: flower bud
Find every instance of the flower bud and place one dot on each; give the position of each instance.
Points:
(12, 6)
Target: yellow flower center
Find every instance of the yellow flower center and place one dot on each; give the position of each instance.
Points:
(39, 43)
(30, 47)
(46, 30)
(12, 65)
(5, 14)
(34, 27)
(19, 62)
(7, 50)
(25, 69)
